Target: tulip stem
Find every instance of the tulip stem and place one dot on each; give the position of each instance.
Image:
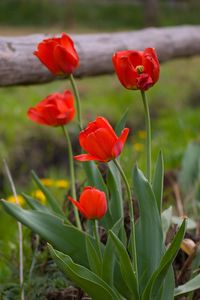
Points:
(132, 223)
(77, 97)
(96, 236)
(72, 175)
(148, 140)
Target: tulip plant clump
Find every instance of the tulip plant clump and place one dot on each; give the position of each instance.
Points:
(132, 264)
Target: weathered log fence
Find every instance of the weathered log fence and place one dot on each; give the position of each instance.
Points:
(19, 66)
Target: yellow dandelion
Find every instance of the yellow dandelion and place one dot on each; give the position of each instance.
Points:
(62, 184)
(142, 134)
(19, 199)
(39, 195)
(138, 147)
(47, 181)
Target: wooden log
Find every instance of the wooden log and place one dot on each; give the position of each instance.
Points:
(18, 65)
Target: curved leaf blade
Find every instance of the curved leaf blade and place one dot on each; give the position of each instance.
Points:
(108, 263)
(93, 257)
(158, 178)
(84, 278)
(156, 281)
(35, 204)
(50, 198)
(65, 238)
(189, 286)
(125, 266)
(149, 236)
(121, 123)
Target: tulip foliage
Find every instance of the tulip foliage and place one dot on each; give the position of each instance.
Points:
(132, 264)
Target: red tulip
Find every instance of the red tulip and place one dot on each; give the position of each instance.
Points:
(92, 203)
(58, 55)
(55, 110)
(100, 141)
(137, 69)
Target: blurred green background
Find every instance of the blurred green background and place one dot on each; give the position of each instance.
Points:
(174, 100)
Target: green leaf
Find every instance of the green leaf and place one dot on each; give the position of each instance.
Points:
(116, 198)
(189, 174)
(84, 278)
(109, 256)
(65, 238)
(50, 198)
(189, 286)
(149, 236)
(157, 279)
(94, 176)
(157, 185)
(166, 218)
(93, 257)
(125, 266)
(168, 285)
(110, 269)
(115, 189)
(121, 123)
(191, 224)
(35, 204)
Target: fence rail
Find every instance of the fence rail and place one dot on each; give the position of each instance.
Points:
(19, 66)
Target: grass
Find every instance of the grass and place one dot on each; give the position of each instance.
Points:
(91, 16)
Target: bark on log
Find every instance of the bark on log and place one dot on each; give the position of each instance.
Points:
(19, 66)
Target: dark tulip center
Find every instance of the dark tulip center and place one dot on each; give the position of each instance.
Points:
(140, 69)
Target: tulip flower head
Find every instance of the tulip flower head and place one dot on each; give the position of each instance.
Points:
(137, 69)
(58, 54)
(100, 141)
(92, 203)
(55, 110)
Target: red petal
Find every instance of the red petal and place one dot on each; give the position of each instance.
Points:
(135, 58)
(103, 123)
(117, 149)
(65, 60)
(46, 56)
(151, 64)
(86, 157)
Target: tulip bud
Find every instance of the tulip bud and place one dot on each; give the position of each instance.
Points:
(92, 203)
(188, 246)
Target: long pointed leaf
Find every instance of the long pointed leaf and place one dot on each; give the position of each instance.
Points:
(121, 124)
(149, 236)
(156, 281)
(50, 198)
(157, 185)
(84, 278)
(65, 238)
(114, 185)
(125, 266)
(116, 198)
(35, 204)
(109, 256)
(189, 286)
(93, 257)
